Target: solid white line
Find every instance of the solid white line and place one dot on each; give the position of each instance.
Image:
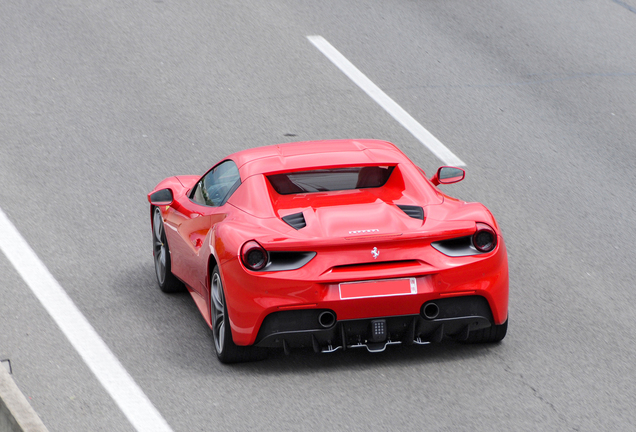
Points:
(99, 358)
(390, 106)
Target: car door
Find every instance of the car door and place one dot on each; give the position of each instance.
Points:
(194, 219)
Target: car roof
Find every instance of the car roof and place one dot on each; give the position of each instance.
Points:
(315, 155)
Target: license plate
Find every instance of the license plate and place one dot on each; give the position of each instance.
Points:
(380, 288)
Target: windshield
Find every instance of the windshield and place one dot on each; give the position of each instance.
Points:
(333, 179)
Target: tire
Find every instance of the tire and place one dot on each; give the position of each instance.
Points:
(493, 334)
(226, 350)
(168, 283)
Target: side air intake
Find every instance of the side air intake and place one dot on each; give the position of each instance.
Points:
(296, 220)
(415, 212)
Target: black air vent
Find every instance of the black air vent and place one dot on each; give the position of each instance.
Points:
(415, 212)
(296, 220)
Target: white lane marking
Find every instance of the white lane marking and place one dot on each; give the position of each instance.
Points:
(102, 362)
(389, 105)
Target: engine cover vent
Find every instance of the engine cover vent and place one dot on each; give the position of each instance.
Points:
(296, 220)
(415, 212)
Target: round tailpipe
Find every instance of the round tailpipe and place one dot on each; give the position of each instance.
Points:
(430, 310)
(327, 319)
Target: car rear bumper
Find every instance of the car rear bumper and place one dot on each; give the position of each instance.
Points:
(321, 330)
(255, 301)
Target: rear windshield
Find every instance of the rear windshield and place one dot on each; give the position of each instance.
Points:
(327, 180)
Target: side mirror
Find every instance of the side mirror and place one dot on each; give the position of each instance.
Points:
(161, 197)
(448, 175)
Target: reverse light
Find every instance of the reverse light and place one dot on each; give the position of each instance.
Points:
(485, 238)
(253, 256)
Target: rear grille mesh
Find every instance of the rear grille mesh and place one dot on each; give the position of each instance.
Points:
(415, 212)
(296, 220)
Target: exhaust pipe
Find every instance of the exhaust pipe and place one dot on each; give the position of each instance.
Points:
(430, 310)
(326, 319)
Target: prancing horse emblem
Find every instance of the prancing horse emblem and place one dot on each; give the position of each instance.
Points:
(375, 252)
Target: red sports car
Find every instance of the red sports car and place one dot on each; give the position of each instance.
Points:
(329, 244)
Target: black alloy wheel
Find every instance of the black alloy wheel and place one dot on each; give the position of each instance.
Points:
(166, 280)
(226, 350)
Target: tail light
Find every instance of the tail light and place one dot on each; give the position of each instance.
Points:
(485, 238)
(253, 256)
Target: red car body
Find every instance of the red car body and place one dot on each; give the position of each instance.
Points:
(357, 267)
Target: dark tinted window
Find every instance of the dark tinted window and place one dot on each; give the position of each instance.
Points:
(334, 179)
(216, 186)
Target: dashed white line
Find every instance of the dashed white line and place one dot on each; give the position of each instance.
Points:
(102, 362)
(389, 105)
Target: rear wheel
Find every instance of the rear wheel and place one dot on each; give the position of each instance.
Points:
(226, 350)
(166, 280)
(493, 334)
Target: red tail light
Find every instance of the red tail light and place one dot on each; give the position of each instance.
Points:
(485, 238)
(253, 256)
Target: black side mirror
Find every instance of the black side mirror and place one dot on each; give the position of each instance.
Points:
(448, 175)
(161, 197)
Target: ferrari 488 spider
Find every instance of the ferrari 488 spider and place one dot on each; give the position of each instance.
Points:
(329, 245)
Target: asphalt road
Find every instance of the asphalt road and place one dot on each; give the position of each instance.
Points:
(99, 101)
